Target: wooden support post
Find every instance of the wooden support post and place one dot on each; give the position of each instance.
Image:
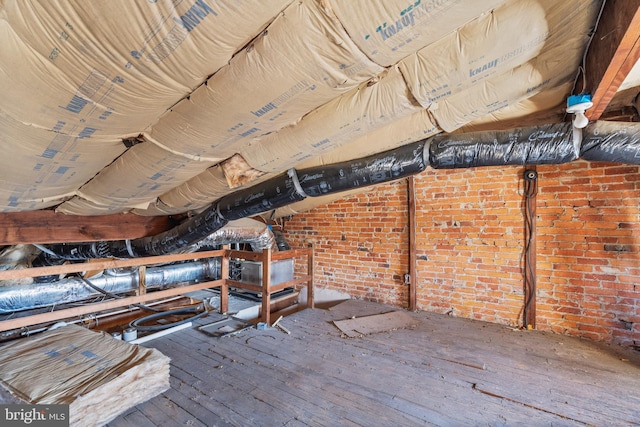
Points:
(413, 270)
(310, 296)
(266, 286)
(142, 280)
(224, 275)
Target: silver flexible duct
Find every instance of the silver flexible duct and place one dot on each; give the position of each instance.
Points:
(246, 230)
(38, 295)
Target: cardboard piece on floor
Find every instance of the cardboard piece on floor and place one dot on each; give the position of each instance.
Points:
(98, 376)
(366, 325)
(225, 327)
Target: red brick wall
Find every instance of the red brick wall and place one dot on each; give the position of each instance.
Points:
(470, 237)
(359, 244)
(589, 251)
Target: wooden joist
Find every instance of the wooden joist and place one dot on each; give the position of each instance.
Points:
(50, 227)
(613, 52)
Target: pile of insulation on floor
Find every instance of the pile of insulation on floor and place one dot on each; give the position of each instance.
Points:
(98, 376)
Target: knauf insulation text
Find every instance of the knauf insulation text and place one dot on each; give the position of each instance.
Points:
(35, 415)
(407, 18)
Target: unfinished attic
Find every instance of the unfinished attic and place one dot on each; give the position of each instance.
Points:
(319, 212)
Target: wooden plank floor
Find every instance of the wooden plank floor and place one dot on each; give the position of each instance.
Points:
(446, 372)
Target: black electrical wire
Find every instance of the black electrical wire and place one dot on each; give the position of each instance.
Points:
(530, 192)
(114, 296)
(151, 328)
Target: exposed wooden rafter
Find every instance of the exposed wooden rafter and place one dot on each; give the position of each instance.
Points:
(50, 227)
(613, 52)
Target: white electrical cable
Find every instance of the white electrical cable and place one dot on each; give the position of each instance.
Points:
(45, 250)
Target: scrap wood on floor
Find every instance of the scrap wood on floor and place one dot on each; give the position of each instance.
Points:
(98, 376)
(373, 323)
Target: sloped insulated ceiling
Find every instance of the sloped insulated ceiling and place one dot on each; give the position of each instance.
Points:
(162, 107)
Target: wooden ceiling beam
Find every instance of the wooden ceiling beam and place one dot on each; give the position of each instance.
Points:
(614, 50)
(49, 227)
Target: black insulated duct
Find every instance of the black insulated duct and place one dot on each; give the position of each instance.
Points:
(274, 193)
(611, 142)
(382, 167)
(188, 233)
(547, 144)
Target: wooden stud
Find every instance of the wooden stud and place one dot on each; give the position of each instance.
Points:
(530, 265)
(224, 289)
(413, 270)
(142, 280)
(266, 286)
(310, 296)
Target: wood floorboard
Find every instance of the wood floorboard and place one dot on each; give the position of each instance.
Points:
(446, 371)
(266, 357)
(123, 420)
(562, 398)
(173, 413)
(360, 380)
(337, 381)
(193, 407)
(216, 395)
(375, 364)
(205, 398)
(133, 418)
(370, 392)
(333, 379)
(286, 384)
(137, 419)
